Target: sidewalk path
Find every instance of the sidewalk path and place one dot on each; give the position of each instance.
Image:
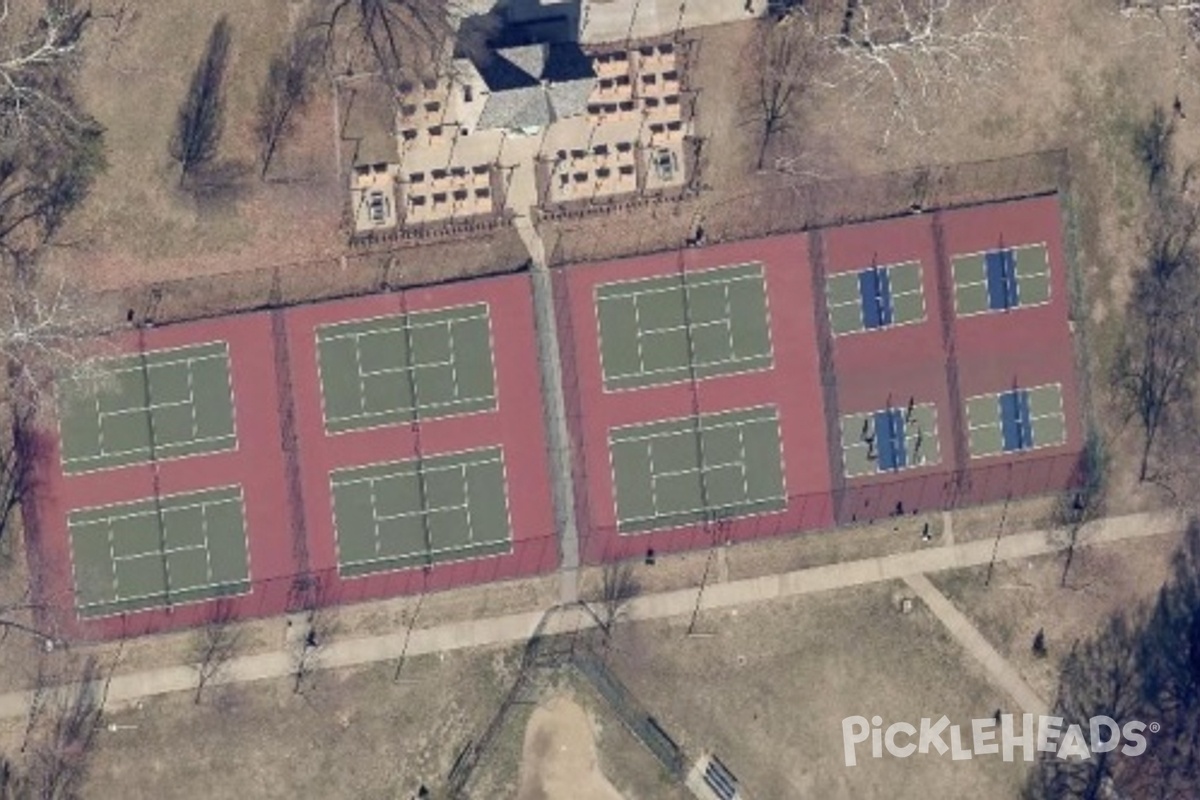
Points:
(554, 403)
(1002, 673)
(127, 688)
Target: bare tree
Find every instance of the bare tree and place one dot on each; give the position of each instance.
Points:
(1085, 501)
(50, 149)
(786, 59)
(618, 586)
(1130, 8)
(1157, 361)
(201, 117)
(20, 617)
(46, 342)
(1160, 352)
(216, 644)
(904, 57)
(57, 758)
(320, 626)
(403, 39)
(1099, 678)
(16, 466)
(29, 58)
(1154, 146)
(1141, 666)
(14, 784)
(287, 90)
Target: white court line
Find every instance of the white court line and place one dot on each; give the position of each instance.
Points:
(689, 329)
(684, 284)
(982, 254)
(170, 446)
(701, 470)
(427, 554)
(999, 423)
(148, 409)
(705, 419)
(702, 277)
(485, 459)
(909, 464)
(187, 360)
(857, 301)
(163, 552)
(418, 406)
(403, 320)
(143, 365)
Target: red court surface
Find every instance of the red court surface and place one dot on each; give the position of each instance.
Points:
(256, 464)
(285, 456)
(880, 368)
(1021, 347)
(260, 464)
(516, 425)
(792, 385)
(947, 359)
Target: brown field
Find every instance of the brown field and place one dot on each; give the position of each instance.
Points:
(139, 225)
(768, 686)
(264, 741)
(1027, 595)
(766, 690)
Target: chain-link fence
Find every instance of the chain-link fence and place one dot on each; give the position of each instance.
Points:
(538, 553)
(779, 204)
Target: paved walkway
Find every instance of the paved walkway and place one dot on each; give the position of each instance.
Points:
(554, 408)
(1003, 674)
(519, 155)
(126, 689)
(621, 20)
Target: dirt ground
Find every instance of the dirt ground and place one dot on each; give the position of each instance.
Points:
(766, 687)
(559, 758)
(139, 225)
(355, 733)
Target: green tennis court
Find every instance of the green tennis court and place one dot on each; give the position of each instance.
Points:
(151, 554)
(414, 513)
(890, 439)
(876, 297)
(692, 469)
(669, 329)
(1018, 419)
(405, 367)
(158, 405)
(999, 280)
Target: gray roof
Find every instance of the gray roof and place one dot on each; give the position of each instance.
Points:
(534, 85)
(570, 98)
